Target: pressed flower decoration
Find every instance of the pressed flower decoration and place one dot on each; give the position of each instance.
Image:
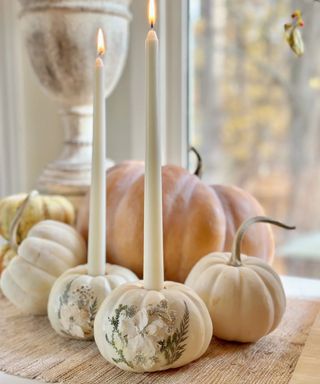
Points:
(78, 308)
(146, 330)
(293, 34)
(142, 337)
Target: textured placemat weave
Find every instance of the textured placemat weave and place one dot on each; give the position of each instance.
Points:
(30, 348)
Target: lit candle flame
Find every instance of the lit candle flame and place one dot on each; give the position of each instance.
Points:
(152, 13)
(101, 48)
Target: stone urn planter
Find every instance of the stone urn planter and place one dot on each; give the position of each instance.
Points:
(60, 38)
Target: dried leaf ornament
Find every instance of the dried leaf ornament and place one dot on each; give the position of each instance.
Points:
(293, 34)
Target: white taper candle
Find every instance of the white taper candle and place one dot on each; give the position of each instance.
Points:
(153, 237)
(97, 220)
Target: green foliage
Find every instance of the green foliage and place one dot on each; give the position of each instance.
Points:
(64, 297)
(114, 321)
(174, 346)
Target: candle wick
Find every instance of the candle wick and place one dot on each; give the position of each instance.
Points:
(152, 25)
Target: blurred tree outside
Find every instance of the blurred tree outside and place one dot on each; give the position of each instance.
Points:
(255, 107)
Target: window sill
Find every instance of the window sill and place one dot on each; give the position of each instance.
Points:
(301, 288)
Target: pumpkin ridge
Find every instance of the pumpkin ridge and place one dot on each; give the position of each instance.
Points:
(251, 264)
(266, 293)
(73, 259)
(19, 233)
(33, 293)
(221, 210)
(30, 292)
(113, 226)
(128, 165)
(216, 227)
(269, 288)
(10, 276)
(225, 202)
(122, 297)
(125, 168)
(129, 178)
(240, 308)
(112, 269)
(36, 266)
(191, 301)
(57, 247)
(171, 217)
(111, 282)
(222, 277)
(217, 269)
(106, 282)
(50, 224)
(240, 206)
(158, 294)
(181, 183)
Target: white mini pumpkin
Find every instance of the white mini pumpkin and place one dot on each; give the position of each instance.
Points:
(143, 330)
(76, 297)
(244, 294)
(50, 248)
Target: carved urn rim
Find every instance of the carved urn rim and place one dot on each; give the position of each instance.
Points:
(118, 8)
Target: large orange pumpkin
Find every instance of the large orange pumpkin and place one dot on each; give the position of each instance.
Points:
(197, 219)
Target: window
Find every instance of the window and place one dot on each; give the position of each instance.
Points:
(254, 114)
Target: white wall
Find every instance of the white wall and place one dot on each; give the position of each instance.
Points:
(11, 119)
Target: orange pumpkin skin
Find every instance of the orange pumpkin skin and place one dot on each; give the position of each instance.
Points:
(239, 206)
(197, 219)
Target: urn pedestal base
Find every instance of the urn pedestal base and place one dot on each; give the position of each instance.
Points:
(70, 174)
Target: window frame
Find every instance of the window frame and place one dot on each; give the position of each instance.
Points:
(12, 150)
(174, 80)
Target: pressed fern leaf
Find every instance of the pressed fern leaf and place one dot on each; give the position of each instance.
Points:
(174, 346)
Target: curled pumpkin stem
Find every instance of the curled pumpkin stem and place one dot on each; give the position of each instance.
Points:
(199, 170)
(17, 218)
(235, 259)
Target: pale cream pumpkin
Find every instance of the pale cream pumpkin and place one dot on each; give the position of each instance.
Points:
(197, 219)
(6, 255)
(142, 330)
(76, 297)
(9, 250)
(244, 295)
(50, 248)
(39, 207)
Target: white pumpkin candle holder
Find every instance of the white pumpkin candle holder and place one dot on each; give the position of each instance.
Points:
(244, 295)
(152, 325)
(147, 330)
(77, 295)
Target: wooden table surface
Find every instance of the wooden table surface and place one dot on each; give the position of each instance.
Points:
(307, 370)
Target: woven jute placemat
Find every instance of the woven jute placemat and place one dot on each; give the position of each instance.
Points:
(30, 348)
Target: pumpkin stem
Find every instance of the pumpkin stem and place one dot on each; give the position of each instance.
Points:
(198, 172)
(16, 220)
(235, 258)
